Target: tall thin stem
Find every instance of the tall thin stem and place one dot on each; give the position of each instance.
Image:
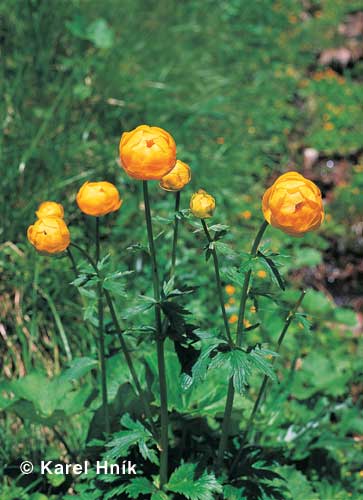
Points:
(101, 336)
(130, 362)
(246, 284)
(287, 324)
(262, 390)
(218, 282)
(241, 316)
(122, 341)
(175, 235)
(159, 345)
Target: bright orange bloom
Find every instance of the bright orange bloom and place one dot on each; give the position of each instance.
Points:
(98, 198)
(233, 319)
(293, 204)
(230, 289)
(50, 209)
(202, 204)
(246, 214)
(177, 178)
(49, 235)
(261, 274)
(147, 153)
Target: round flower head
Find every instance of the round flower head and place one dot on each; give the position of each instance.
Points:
(49, 235)
(293, 204)
(177, 178)
(202, 204)
(50, 209)
(147, 153)
(98, 198)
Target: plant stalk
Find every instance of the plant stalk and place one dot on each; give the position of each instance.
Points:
(160, 340)
(219, 284)
(262, 390)
(101, 336)
(122, 341)
(241, 315)
(175, 235)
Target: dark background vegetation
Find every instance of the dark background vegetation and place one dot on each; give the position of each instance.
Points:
(248, 90)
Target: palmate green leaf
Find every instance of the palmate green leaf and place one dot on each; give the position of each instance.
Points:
(136, 434)
(232, 493)
(203, 488)
(233, 275)
(139, 486)
(258, 358)
(237, 363)
(200, 368)
(298, 485)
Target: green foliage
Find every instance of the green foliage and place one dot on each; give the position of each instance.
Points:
(136, 433)
(183, 481)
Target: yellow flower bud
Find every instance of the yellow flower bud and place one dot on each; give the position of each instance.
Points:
(147, 153)
(98, 198)
(49, 235)
(177, 178)
(202, 204)
(293, 204)
(50, 209)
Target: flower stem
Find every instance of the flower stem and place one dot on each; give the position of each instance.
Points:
(262, 390)
(159, 344)
(287, 324)
(175, 235)
(219, 284)
(122, 341)
(101, 336)
(130, 363)
(241, 315)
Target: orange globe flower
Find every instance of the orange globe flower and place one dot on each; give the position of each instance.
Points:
(49, 235)
(98, 198)
(147, 153)
(50, 209)
(202, 204)
(293, 204)
(177, 178)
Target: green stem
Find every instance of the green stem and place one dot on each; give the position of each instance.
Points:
(101, 336)
(122, 341)
(130, 362)
(241, 315)
(159, 344)
(175, 235)
(262, 390)
(218, 281)
(246, 284)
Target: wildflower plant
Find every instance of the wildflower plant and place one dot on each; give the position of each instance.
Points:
(292, 204)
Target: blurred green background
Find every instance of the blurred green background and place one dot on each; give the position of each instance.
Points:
(248, 90)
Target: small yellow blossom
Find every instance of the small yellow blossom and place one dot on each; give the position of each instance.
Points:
(328, 126)
(202, 204)
(230, 289)
(246, 323)
(253, 309)
(246, 214)
(233, 319)
(231, 300)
